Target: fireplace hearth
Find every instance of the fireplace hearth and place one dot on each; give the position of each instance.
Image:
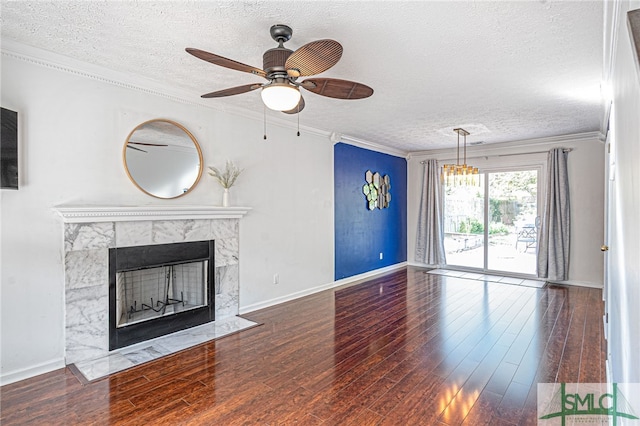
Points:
(159, 289)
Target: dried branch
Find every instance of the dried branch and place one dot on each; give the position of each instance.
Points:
(228, 176)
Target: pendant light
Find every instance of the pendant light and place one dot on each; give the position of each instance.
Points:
(460, 174)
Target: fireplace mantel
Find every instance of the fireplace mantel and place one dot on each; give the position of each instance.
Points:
(88, 213)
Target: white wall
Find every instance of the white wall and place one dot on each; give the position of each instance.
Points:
(586, 174)
(72, 130)
(624, 239)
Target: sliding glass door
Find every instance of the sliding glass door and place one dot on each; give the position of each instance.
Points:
(493, 226)
(464, 224)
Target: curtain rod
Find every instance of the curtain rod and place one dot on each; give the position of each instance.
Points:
(509, 155)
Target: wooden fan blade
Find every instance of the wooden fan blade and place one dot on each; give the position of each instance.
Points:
(298, 108)
(137, 149)
(148, 144)
(233, 91)
(224, 62)
(335, 88)
(314, 58)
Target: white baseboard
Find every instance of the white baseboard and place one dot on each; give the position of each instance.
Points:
(29, 372)
(307, 292)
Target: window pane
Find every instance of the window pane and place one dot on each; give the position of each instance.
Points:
(464, 224)
(513, 230)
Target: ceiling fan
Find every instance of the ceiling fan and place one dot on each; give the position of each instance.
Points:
(282, 67)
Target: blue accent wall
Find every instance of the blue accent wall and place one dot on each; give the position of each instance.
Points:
(362, 234)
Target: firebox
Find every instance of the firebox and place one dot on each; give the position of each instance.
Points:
(159, 289)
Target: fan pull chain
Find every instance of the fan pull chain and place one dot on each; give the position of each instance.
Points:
(265, 122)
(298, 118)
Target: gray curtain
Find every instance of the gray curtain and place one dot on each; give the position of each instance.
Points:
(430, 236)
(553, 242)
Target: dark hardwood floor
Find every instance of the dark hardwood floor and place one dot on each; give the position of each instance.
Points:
(407, 348)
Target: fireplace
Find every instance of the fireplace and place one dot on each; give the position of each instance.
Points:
(90, 232)
(159, 289)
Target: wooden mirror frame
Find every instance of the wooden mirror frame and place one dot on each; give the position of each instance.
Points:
(147, 175)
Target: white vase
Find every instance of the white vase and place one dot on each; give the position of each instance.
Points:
(225, 198)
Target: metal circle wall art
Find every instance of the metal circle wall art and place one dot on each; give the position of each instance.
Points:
(377, 190)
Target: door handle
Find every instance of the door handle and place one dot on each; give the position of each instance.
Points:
(604, 247)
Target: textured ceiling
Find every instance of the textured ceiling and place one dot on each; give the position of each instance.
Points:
(505, 71)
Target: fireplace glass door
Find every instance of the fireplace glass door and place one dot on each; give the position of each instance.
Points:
(149, 293)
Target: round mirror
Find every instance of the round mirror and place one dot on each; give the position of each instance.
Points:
(162, 158)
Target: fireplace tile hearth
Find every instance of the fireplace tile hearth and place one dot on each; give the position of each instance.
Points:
(153, 349)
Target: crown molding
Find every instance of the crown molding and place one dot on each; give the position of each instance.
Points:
(47, 59)
(86, 213)
(372, 146)
(529, 144)
(44, 58)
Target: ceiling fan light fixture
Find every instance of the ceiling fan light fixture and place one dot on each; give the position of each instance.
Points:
(280, 96)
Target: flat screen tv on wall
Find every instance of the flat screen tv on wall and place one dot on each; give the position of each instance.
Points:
(9, 149)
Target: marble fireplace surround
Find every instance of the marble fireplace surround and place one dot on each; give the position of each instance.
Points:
(89, 233)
